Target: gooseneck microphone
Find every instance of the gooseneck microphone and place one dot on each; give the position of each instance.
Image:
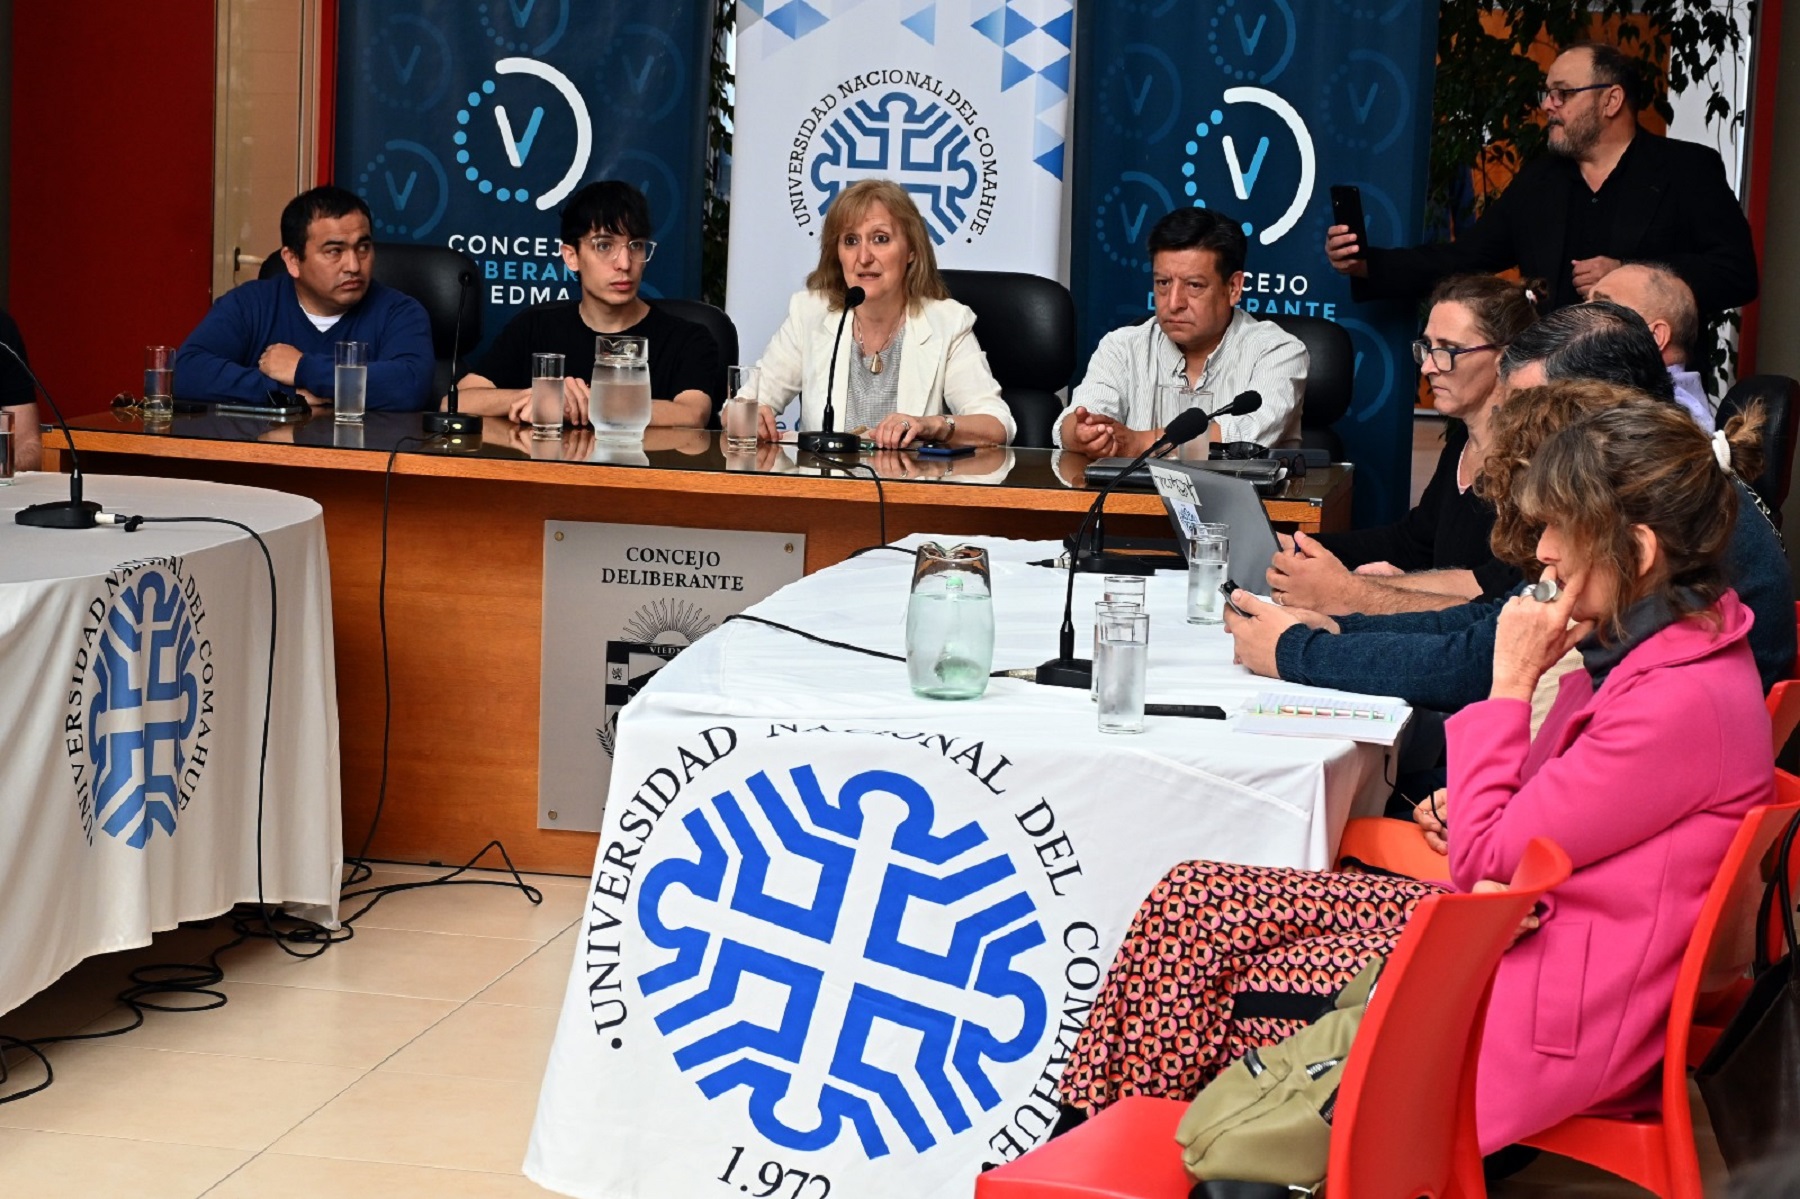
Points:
(449, 420)
(74, 512)
(825, 441)
(1066, 670)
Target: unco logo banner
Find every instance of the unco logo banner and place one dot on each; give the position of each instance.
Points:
(469, 124)
(862, 979)
(963, 104)
(1255, 108)
(137, 728)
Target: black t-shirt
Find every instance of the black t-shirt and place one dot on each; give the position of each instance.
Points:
(1592, 225)
(15, 385)
(683, 356)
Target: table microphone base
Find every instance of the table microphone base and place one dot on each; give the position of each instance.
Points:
(462, 424)
(63, 514)
(1067, 672)
(826, 442)
(1114, 564)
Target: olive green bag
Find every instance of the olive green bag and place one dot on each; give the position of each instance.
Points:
(1263, 1126)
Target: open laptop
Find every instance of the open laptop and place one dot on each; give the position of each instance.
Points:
(1193, 493)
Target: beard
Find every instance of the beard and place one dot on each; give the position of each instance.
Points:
(1579, 135)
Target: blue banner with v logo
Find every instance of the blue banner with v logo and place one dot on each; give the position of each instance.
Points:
(1255, 108)
(469, 125)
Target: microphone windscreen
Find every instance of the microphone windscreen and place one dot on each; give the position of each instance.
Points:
(852, 297)
(1245, 403)
(1187, 425)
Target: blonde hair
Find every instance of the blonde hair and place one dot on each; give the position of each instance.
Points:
(853, 203)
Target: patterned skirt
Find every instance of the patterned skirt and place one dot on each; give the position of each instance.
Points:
(1222, 958)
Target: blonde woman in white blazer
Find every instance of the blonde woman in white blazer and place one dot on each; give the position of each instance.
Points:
(937, 385)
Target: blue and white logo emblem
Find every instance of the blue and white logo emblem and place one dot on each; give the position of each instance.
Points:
(847, 963)
(907, 126)
(137, 727)
(1253, 157)
(499, 127)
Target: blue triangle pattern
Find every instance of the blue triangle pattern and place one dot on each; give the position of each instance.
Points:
(991, 26)
(1017, 26)
(1012, 71)
(924, 23)
(1046, 94)
(1052, 161)
(1044, 138)
(1061, 28)
(755, 6)
(1058, 72)
(796, 19)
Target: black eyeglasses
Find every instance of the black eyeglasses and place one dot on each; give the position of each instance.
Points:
(1556, 97)
(1444, 357)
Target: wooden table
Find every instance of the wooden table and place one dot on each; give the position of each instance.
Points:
(465, 572)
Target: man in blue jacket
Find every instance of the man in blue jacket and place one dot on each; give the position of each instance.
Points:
(281, 333)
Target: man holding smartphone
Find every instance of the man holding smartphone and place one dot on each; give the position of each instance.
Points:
(1608, 192)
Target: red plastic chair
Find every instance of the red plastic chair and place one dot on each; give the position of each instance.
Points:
(1414, 1059)
(1657, 1152)
(1396, 845)
(1784, 711)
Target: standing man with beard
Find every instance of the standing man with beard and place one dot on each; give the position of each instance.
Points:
(1607, 193)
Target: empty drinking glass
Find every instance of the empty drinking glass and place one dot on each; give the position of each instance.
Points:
(159, 382)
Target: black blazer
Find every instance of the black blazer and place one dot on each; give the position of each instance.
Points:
(1676, 208)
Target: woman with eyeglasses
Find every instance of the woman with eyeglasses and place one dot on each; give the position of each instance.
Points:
(605, 246)
(1439, 548)
(909, 369)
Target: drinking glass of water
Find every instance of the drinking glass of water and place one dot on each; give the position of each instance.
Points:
(1121, 666)
(739, 417)
(159, 382)
(950, 622)
(547, 397)
(1127, 590)
(619, 401)
(1172, 399)
(1207, 554)
(351, 385)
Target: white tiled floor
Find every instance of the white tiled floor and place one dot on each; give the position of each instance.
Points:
(403, 1063)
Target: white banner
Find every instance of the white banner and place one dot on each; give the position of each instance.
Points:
(962, 102)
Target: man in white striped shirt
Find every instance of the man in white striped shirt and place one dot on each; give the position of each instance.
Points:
(1199, 340)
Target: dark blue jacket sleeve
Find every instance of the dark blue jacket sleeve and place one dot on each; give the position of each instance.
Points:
(1443, 620)
(400, 358)
(210, 365)
(1444, 671)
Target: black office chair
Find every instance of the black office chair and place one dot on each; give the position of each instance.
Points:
(1779, 395)
(724, 335)
(429, 274)
(1330, 379)
(1026, 325)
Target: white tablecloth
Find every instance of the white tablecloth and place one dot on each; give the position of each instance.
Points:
(849, 935)
(132, 668)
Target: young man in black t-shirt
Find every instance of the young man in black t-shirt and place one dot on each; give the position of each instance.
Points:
(606, 240)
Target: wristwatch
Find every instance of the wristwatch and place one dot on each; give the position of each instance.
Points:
(949, 426)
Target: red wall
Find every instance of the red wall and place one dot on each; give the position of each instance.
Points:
(112, 166)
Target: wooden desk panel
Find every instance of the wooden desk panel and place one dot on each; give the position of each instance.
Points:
(464, 596)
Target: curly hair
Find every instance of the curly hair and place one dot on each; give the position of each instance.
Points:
(922, 279)
(1596, 459)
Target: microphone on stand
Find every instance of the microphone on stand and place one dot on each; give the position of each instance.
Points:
(825, 441)
(74, 512)
(1066, 670)
(449, 420)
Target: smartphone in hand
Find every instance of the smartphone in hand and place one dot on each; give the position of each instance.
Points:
(1347, 210)
(1225, 589)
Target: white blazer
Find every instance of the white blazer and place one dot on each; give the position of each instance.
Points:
(941, 364)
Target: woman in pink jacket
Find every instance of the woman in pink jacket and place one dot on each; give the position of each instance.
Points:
(1646, 765)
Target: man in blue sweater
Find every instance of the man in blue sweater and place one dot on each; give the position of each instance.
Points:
(281, 334)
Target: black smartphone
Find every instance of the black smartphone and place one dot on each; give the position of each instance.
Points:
(932, 449)
(1347, 209)
(1225, 589)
